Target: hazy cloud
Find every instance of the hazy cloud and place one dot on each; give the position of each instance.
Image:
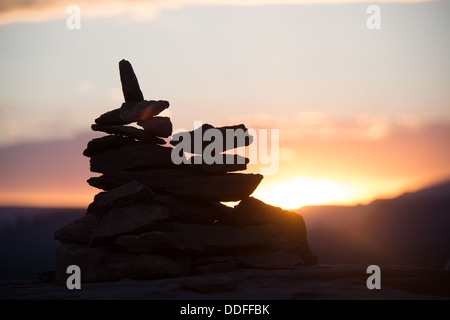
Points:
(319, 126)
(57, 171)
(12, 11)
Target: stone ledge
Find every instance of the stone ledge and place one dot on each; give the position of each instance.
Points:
(323, 282)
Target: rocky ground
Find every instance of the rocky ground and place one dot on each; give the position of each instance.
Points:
(321, 282)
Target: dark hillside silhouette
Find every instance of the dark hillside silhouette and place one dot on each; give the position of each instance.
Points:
(412, 229)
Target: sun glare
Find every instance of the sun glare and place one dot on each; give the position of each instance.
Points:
(301, 191)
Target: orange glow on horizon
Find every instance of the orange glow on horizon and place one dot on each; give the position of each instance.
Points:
(311, 171)
(299, 191)
(290, 192)
(46, 199)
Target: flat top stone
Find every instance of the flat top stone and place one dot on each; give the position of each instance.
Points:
(126, 194)
(231, 137)
(127, 131)
(100, 145)
(186, 183)
(132, 155)
(158, 126)
(133, 111)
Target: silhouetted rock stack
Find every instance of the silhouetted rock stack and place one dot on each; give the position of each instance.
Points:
(158, 219)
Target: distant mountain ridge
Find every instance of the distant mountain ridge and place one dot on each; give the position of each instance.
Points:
(26, 239)
(436, 192)
(412, 229)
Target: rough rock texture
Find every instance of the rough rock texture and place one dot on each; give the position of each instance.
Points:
(160, 214)
(158, 126)
(269, 260)
(78, 231)
(131, 132)
(99, 145)
(214, 187)
(104, 263)
(222, 237)
(213, 264)
(290, 225)
(226, 163)
(188, 210)
(126, 194)
(131, 156)
(127, 220)
(231, 137)
(132, 112)
(172, 244)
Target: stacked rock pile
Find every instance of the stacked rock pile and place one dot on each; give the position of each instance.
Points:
(162, 218)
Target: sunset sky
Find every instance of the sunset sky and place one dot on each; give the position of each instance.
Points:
(361, 113)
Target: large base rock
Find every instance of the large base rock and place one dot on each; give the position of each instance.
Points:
(127, 220)
(151, 241)
(105, 264)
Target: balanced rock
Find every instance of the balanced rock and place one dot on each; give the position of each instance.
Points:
(127, 194)
(226, 163)
(158, 126)
(104, 263)
(130, 156)
(185, 183)
(79, 231)
(127, 220)
(189, 210)
(127, 131)
(99, 145)
(132, 112)
(231, 137)
(168, 243)
(130, 85)
(159, 214)
(269, 260)
(291, 225)
(223, 238)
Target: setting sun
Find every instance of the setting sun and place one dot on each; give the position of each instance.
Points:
(300, 191)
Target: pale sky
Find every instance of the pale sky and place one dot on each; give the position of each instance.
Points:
(214, 62)
(314, 71)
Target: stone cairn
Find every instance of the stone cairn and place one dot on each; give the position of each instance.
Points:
(157, 219)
